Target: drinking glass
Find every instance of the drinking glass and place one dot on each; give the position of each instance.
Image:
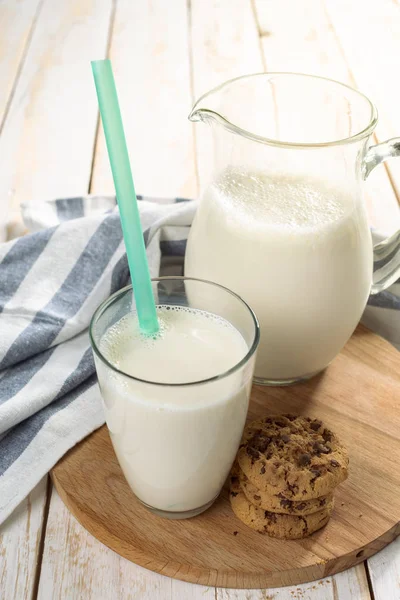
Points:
(176, 442)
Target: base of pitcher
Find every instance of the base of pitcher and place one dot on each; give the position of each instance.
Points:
(282, 382)
(183, 514)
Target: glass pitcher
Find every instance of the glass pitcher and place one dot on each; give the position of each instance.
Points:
(283, 221)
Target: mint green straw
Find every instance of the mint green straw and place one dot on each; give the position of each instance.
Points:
(126, 196)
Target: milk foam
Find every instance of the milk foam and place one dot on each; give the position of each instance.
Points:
(191, 345)
(288, 202)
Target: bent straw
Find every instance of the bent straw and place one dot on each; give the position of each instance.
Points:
(126, 196)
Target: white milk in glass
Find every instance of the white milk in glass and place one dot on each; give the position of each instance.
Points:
(175, 444)
(298, 250)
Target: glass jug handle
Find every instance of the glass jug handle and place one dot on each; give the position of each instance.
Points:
(386, 253)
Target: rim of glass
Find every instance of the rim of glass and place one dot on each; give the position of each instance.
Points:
(272, 142)
(114, 297)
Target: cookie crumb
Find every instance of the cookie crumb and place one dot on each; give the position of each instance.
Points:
(342, 504)
(235, 532)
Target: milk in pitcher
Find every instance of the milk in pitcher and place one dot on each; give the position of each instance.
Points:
(298, 250)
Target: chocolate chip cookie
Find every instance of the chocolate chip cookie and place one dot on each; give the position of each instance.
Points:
(289, 527)
(295, 457)
(280, 504)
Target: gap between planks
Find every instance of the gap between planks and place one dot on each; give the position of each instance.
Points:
(369, 580)
(35, 588)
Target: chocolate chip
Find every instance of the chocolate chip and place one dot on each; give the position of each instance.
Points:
(304, 459)
(293, 488)
(260, 442)
(262, 470)
(327, 435)
(334, 463)
(270, 516)
(320, 449)
(322, 502)
(235, 532)
(316, 472)
(301, 506)
(285, 438)
(316, 424)
(254, 455)
(257, 497)
(291, 417)
(305, 524)
(280, 422)
(234, 494)
(286, 503)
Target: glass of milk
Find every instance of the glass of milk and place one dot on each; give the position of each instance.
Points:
(176, 403)
(282, 220)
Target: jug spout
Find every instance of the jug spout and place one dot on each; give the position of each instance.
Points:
(206, 109)
(226, 105)
(200, 114)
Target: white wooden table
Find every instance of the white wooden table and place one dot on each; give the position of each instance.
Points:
(165, 53)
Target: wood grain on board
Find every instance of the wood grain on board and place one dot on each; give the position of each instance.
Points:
(152, 71)
(356, 397)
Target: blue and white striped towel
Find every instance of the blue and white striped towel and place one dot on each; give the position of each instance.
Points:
(51, 281)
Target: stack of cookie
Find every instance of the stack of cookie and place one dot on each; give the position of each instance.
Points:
(286, 470)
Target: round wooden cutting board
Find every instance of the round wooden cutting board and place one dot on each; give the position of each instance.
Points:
(357, 396)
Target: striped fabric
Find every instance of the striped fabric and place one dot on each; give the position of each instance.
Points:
(51, 281)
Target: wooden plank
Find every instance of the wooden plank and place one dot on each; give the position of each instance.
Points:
(298, 36)
(224, 44)
(76, 566)
(384, 570)
(149, 51)
(369, 33)
(17, 22)
(348, 585)
(20, 544)
(47, 142)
